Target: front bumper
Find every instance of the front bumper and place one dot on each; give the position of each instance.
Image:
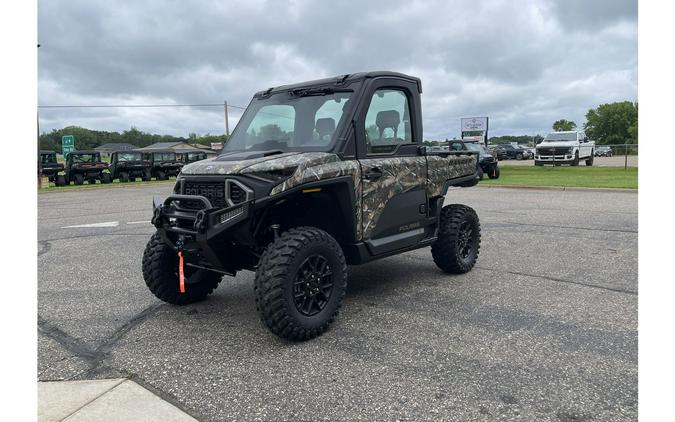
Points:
(554, 159)
(200, 224)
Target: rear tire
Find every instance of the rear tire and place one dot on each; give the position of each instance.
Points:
(106, 178)
(300, 283)
(160, 272)
(456, 249)
(494, 174)
(79, 179)
(481, 173)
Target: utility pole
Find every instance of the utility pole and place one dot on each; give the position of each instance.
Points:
(227, 123)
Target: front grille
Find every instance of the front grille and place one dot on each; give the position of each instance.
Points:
(213, 191)
(553, 151)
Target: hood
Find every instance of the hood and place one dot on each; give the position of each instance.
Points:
(256, 161)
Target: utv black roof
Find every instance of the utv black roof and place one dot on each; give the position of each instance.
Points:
(151, 151)
(84, 151)
(342, 80)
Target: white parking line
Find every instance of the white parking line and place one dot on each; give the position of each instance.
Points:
(138, 222)
(106, 224)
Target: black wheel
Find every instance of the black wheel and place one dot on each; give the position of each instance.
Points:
(106, 178)
(589, 161)
(124, 177)
(161, 175)
(519, 156)
(160, 271)
(300, 283)
(481, 173)
(576, 159)
(456, 249)
(79, 179)
(494, 173)
(60, 180)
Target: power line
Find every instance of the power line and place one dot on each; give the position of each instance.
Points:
(135, 105)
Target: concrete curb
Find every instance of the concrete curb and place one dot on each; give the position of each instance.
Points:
(561, 188)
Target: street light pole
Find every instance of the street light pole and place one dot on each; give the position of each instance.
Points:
(227, 123)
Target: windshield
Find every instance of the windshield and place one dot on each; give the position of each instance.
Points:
(196, 156)
(554, 137)
(85, 158)
(48, 158)
(301, 120)
(129, 156)
(164, 156)
(477, 147)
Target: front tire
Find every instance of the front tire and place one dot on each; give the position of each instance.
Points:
(160, 272)
(575, 162)
(300, 283)
(589, 160)
(456, 249)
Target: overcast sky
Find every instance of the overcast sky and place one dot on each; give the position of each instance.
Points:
(524, 64)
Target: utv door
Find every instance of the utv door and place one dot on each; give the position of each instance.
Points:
(394, 173)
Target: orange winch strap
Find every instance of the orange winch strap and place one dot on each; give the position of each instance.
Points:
(181, 275)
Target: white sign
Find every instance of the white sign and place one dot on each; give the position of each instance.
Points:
(470, 124)
(216, 145)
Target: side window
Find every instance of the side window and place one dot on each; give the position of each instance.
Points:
(387, 121)
(325, 121)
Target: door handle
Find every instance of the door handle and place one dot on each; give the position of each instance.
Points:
(373, 174)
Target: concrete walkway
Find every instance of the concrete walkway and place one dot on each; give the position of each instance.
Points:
(103, 400)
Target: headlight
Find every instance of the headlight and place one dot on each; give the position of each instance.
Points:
(274, 175)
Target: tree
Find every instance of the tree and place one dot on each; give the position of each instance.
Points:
(613, 123)
(564, 125)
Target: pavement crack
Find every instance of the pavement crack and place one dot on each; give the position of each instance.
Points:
(94, 357)
(73, 345)
(561, 280)
(553, 226)
(104, 348)
(46, 246)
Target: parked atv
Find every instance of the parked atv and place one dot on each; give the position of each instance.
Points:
(344, 182)
(129, 165)
(86, 165)
(163, 164)
(51, 168)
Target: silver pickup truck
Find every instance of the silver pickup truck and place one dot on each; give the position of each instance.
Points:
(565, 148)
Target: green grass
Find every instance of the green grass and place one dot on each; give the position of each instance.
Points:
(564, 176)
(115, 184)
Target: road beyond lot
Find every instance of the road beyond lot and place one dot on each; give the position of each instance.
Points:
(544, 328)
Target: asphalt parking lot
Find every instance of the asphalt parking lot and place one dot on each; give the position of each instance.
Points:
(544, 328)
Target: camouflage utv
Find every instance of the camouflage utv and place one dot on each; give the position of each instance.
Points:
(51, 168)
(163, 163)
(129, 165)
(316, 176)
(86, 165)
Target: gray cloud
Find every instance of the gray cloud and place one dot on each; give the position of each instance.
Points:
(524, 64)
